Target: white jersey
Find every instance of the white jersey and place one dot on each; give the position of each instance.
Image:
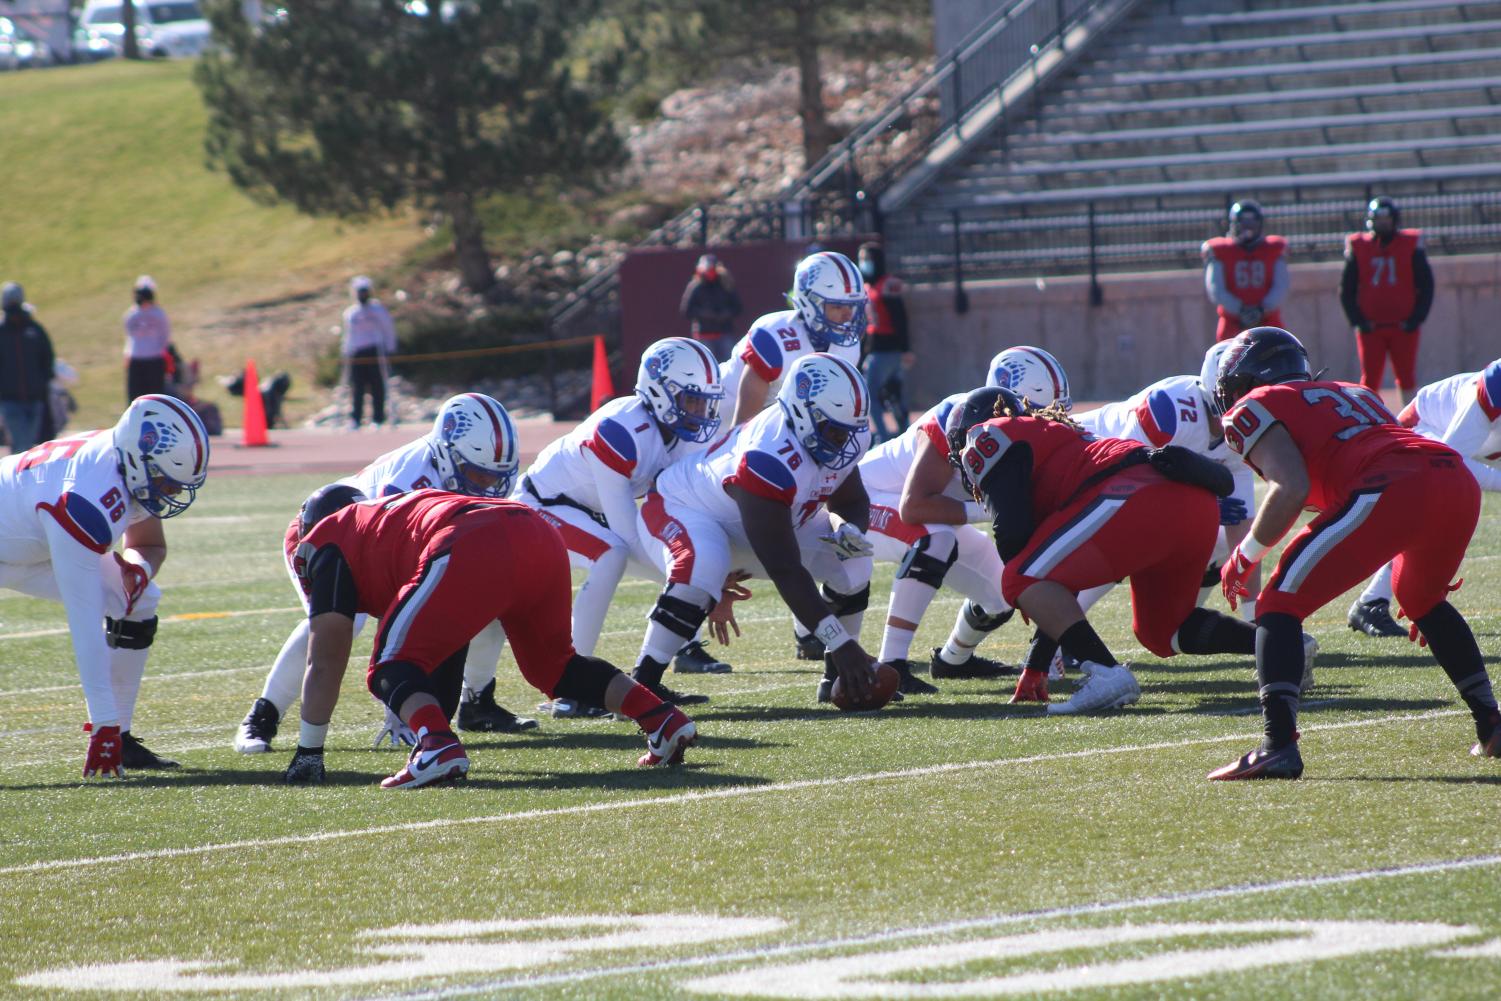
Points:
(885, 467)
(1170, 412)
(770, 348)
(73, 483)
(1464, 412)
(762, 457)
(399, 471)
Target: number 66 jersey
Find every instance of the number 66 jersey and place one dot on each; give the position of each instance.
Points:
(72, 482)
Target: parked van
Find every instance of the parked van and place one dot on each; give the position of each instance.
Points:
(163, 27)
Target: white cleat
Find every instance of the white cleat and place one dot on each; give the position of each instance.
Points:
(1102, 688)
(1310, 653)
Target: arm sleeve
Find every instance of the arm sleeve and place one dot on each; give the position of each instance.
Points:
(616, 501)
(1469, 428)
(331, 584)
(1214, 285)
(1349, 281)
(1422, 276)
(388, 330)
(1281, 282)
(1007, 489)
(76, 568)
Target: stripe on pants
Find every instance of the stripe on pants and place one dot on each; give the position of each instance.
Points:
(396, 634)
(1072, 535)
(1331, 535)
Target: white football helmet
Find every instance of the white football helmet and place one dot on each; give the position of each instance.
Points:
(1209, 375)
(474, 446)
(1032, 374)
(829, 279)
(828, 407)
(163, 451)
(679, 380)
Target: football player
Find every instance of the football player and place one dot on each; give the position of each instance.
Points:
(470, 450)
(1380, 490)
(1071, 511)
(828, 315)
(1245, 272)
(586, 483)
(1463, 412)
(67, 502)
(778, 497)
(436, 568)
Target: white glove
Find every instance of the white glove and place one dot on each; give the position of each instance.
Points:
(848, 542)
(396, 731)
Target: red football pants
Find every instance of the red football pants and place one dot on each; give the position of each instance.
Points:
(1230, 324)
(499, 563)
(1423, 515)
(1157, 532)
(1388, 339)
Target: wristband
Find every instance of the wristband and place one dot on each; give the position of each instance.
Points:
(1251, 550)
(831, 633)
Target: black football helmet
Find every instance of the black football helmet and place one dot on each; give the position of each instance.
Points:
(1381, 209)
(1261, 356)
(1247, 222)
(977, 408)
(323, 502)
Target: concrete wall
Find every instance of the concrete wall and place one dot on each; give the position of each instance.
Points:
(1159, 324)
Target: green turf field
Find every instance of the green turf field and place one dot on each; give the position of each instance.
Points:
(950, 846)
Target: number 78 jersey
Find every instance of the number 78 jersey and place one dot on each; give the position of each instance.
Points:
(1341, 429)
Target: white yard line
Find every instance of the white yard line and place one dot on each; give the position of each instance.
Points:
(950, 927)
(732, 792)
(184, 617)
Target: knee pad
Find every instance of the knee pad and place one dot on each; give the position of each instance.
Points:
(846, 604)
(395, 681)
(982, 621)
(681, 616)
(128, 634)
(585, 680)
(929, 559)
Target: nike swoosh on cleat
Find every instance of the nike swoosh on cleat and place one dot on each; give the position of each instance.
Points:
(427, 760)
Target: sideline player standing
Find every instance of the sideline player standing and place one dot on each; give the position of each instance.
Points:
(67, 502)
(1386, 291)
(1245, 272)
(1380, 491)
(470, 450)
(436, 567)
(1463, 412)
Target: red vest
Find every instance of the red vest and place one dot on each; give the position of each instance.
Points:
(1385, 290)
(1248, 276)
(879, 323)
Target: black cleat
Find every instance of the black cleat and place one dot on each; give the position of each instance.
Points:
(306, 768)
(258, 728)
(479, 712)
(826, 689)
(666, 694)
(1285, 763)
(809, 647)
(911, 684)
(696, 659)
(975, 667)
(134, 754)
(1374, 618)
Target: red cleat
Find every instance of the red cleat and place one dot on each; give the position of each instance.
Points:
(438, 757)
(665, 745)
(1032, 686)
(1284, 763)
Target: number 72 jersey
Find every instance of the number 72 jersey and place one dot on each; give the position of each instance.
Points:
(1341, 429)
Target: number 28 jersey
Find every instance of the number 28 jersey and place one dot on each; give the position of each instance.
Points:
(1340, 428)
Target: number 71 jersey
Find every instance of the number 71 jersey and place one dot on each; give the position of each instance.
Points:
(1340, 428)
(74, 481)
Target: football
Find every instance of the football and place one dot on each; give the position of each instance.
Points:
(887, 682)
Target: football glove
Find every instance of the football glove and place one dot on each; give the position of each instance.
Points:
(1233, 576)
(134, 577)
(848, 542)
(104, 753)
(1232, 511)
(393, 729)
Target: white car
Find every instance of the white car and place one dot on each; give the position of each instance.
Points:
(163, 27)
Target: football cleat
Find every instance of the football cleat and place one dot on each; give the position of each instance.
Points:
(1286, 763)
(825, 690)
(438, 757)
(103, 758)
(809, 647)
(257, 728)
(665, 745)
(1310, 654)
(479, 712)
(1374, 618)
(306, 768)
(1102, 688)
(666, 694)
(1032, 686)
(1489, 734)
(975, 667)
(911, 684)
(134, 754)
(1060, 665)
(695, 658)
(569, 708)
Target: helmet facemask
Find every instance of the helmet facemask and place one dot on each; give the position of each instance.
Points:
(847, 333)
(833, 444)
(695, 412)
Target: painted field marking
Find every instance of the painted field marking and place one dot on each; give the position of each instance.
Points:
(181, 617)
(729, 792)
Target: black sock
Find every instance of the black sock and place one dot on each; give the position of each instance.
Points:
(649, 672)
(1206, 631)
(1279, 670)
(830, 672)
(307, 750)
(1082, 643)
(1452, 642)
(1040, 656)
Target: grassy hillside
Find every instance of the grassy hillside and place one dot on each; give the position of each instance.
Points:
(103, 176)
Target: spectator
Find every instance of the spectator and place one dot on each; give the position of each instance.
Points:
(1386, 290)
(369, 340)
(889, 353)
(25, 369)
(711, 304)
(147, 334)
(1245, 273)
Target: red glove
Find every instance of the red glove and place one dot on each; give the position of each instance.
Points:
(1233, 576)
(135, 578)
(104, 753)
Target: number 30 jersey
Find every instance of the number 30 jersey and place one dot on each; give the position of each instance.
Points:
(74, 481)
(1340, 428)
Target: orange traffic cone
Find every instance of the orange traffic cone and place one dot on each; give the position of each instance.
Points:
(604, 387)
(254, 424)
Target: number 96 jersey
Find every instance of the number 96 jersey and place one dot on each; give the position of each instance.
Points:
(74, 481)
(1341, 429)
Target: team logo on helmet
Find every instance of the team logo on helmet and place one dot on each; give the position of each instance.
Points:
(455, 422)
(156, 438)
(809, 383)
(1010, 373)
(655, 362)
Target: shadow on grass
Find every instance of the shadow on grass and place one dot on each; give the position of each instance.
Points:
(1415, 658)
(586, 737)
(1458, 780)
(1320, 700)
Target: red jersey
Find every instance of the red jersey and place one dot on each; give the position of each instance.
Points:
(1248, 272)
(880, 313)
(1340, 428)
(1385, 291)
(385, 541)
(1063, 458)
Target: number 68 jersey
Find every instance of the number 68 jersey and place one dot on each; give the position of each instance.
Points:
(74, 481)
(1341, 429)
